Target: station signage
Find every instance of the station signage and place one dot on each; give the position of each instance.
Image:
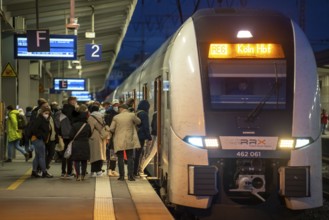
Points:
(93, 52)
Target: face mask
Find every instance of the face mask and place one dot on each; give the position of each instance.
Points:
(116, 108)
(45, 115)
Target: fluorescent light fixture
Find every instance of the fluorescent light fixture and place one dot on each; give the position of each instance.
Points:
(244, 34)
(90, 35)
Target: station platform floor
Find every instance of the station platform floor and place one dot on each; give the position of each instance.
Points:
(95, 198)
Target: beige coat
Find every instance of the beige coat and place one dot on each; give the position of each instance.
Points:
(123, 128)
(96, 143)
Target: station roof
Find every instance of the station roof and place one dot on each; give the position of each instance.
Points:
(111, 19)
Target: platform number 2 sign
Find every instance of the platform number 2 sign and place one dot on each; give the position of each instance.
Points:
(93, 52)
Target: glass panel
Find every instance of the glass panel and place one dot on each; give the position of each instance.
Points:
(244, 84)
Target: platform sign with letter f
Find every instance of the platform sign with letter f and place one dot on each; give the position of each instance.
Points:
(38, 40)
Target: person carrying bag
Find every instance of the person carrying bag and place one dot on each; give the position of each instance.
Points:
(68, 151)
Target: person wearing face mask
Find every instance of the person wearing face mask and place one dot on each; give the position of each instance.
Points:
(111, 157)
(41, 136)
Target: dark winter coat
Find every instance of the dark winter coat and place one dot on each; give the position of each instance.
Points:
(41, 128)
(80, 146)
(143, 129)
(70, 112)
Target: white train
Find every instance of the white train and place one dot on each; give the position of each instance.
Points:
(237, 97)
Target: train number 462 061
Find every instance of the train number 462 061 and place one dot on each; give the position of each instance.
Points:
(248, 154)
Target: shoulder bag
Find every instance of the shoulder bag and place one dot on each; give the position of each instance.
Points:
(68, 151)
(105, 132)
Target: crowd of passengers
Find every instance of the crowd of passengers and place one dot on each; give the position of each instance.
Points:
(111, 131)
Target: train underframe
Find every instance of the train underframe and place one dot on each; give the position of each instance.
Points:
(247, 189)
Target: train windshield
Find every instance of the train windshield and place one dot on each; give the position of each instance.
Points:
(245, 84)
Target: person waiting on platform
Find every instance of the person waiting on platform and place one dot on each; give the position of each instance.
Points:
(80, 146)
(111, 157)
(14, 135)
(324, 121)
(97, 142)
(40, 136)
(123, 127)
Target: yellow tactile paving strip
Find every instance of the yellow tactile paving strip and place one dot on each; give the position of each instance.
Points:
(103, 206)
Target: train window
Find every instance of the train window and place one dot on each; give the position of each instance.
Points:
(244, 84)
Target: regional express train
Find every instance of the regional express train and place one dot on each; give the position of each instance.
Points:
(237, 101)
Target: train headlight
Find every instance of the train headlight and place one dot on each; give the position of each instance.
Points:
(207, 142)
(195, 141)
(302, 142)
(286, 143)
(211, 142)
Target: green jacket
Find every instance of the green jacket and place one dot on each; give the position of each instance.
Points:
(12, 126)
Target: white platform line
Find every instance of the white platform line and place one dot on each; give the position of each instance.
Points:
(103, 206)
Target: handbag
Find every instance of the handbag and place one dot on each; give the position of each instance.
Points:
(60, 145)
(68, 151)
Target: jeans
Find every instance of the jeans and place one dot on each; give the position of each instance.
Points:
(130, 158)
(138, 152)
(66, 163)
(323, 128)
(14, 144)
(50, 152)
(40, 155)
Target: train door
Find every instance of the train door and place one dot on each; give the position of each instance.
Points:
(145, 92)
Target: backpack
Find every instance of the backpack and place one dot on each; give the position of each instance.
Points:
(28, 130)
(21, 121)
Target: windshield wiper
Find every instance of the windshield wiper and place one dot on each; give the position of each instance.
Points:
(275, 87)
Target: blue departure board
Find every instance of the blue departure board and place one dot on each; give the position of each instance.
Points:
(62, 47)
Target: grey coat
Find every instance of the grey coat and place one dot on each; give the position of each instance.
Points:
(123, 129)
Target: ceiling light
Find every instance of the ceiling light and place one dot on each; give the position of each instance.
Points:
(244, 34)
(78, 67)
(90, 35)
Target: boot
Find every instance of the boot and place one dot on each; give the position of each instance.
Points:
(131, 178)
(121, 178)
(46, 175)
(34, 174)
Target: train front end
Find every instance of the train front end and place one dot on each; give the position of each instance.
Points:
(245, 112)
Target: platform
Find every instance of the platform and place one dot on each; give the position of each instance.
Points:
(97, 198)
